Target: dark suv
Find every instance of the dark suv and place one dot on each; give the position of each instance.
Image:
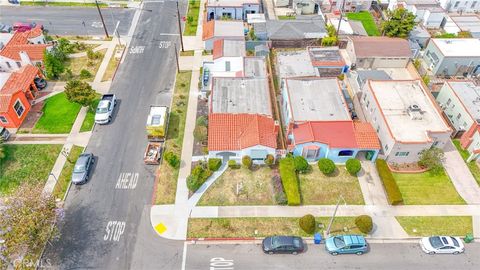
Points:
(283, 244)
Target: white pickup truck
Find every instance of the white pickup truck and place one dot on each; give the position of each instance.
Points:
(103, 114)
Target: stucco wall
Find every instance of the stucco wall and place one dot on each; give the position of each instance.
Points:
(454, 108)
(237, 13)
(245, 152)
(326, 152)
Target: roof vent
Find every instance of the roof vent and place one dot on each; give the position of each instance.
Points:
(415, 112)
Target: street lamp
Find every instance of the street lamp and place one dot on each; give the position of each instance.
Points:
(340, 198)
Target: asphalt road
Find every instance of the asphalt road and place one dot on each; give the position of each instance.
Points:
(70, 20)
(381, 257)
(107, 222)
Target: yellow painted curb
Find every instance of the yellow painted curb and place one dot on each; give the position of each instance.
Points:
(160, 228)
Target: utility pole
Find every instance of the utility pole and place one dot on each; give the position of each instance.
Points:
(327, 232)
(179, 27)
(176, 57)
(101, 17)
(341, 17)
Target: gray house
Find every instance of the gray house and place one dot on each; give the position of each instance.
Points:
(453, 57)
(292, 33)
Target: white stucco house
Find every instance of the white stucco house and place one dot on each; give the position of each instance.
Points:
(428, 12)
(460, 5)
(232, 9)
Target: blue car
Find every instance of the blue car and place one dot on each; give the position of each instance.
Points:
(346, 244)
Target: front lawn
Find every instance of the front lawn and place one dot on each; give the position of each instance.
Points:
(58, 116)
(472, 165)
(367, 21)
(64, 179)
(428, 226)
(29, 163)
(193, 10)
(265, 226)
(89, 120)
(426, 188)
(167, 179)
(79, 63)
(316, 188)
(255, 188)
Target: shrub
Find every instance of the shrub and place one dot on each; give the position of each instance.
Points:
(247, 161)
(290, 181)
(232, 164)
(353, 166)
(280, 197)
(198, 176)
(307, 223)
(202, 121)
(200, 133)
(326, 166)
(85, 74)
(393, 192)
(301, 164)
(269, 160)
(214, 164)
(172, 159)
(193, 183)
(364, 223)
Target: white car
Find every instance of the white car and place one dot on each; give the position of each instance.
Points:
(442, 244)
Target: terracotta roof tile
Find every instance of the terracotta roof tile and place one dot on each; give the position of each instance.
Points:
(232, 132)
(18, 81)
(366, 136)
(19, 42)
(381, 47)
(208, 30)
(218, 48)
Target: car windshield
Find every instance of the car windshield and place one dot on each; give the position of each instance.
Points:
(80, 165)
(455, 242)
(436, 242)
(338, 242)
(102, 110)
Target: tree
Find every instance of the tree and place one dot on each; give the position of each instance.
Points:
(85, 74)
(326, 166)
(26, 223)
(53, 63)
(64, 46)
(80, 92)
(399, 23)
(307, 223)
(364, 223)
(301, 164)
(247, 162)
(172, 159)
(432, 159)
(353, 166)
(331, 39)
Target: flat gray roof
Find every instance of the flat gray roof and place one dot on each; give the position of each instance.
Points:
(255, 67)
(240, 95)
(469, 95)
(295, 64)
(467, 23)
(316, 99)
(234, 48)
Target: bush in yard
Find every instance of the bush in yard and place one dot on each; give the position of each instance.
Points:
(247, 162)
(269, 160)
(432, 159)
(232, 164)
(200, 133)
(53, 64)
(214, 164)
(301, 164)
(326, 166)
(290, 180)
(364, 223)
(308, 223)
(85, 74)
(172, 159)
(393, 192)
(91, 55)
(80, 92)
(202, 121)
(64, 46)
(198, 176)
(353, 166)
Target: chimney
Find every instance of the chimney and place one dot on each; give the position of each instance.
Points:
(25, 58)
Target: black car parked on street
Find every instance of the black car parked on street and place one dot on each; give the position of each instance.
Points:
(283, 244)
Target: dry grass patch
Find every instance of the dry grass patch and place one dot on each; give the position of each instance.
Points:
(79, 63)
(112, 65)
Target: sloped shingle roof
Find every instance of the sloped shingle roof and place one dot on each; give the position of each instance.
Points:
(381, 47)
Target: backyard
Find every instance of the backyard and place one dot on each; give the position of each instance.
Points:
(254, 188)
(427, 189)
(472, 165)
(265, 226)
(29, 163)
(316, 188)
(427, 226)
(192, 18)
(367, 21)
(167, 178)
(64, 179)
(58, 115)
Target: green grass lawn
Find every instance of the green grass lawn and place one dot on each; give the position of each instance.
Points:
(167, 180)
(89, 120)
(256, 188)
(316, 188)
(58, 115)
(64, 179)
(425, 188)
(265, 226)
(284, 17)
(428, 226)
(193, 10)
(472, 165)
(29, 163)
(367, 21)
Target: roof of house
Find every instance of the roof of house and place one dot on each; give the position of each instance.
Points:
(231, 132)
(408, 109)
(316, 99)
(19, 80)
(325, 56)
(219, 28)
(254, 66)
(467, 23)
(337, 134)
(419, 32)
(295, 29)
(240, 95)
(469, 95)
(230, 3)
(228, 48)
(295, 64)
(458, 47)
(20, 42)
(380, 47)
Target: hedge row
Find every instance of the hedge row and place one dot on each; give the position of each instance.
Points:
(393, 193)
(290, 180)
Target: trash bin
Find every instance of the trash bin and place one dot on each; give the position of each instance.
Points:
(468, 238)
(317, 238)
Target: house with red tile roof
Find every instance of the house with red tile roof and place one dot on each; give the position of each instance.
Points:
(17, 90)
(236, 135)
(22, 48)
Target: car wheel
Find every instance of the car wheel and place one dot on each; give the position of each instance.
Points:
(109, 119)
(270, 252)
(359, 253)
(431, 252)
(456, 253)
(334, 253)
(294, 253)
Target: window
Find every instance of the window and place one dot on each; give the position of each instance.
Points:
(310, 153)
(3, 119)
(345, 153)
(18, 107)
(378, 129)
(19, 64)
(8, 65)
(368, 103)
(449, 101)
(456, 4)
(227, 66)
(458, 116)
